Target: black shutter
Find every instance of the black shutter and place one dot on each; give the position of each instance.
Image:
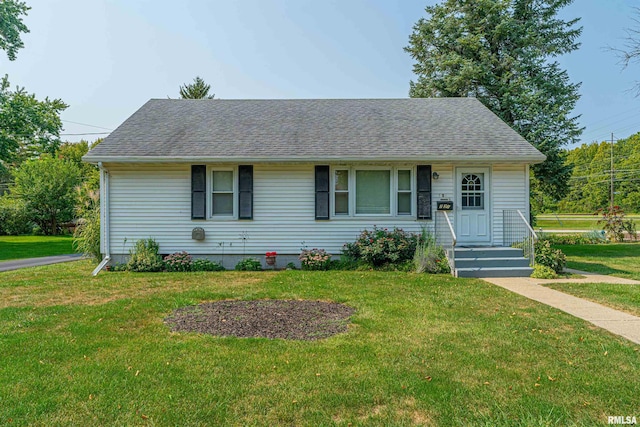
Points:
(424, 192)
(322, 192)
(245, 192)
(198, 192)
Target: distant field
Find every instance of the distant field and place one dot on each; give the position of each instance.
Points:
(574, 221)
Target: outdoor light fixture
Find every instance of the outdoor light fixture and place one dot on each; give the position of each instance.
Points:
(435, 176)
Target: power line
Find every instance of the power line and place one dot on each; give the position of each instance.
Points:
(89, 133)
(84, 124)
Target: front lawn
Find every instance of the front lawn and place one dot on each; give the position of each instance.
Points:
(421, 350)
(621, 297)
(19, 247)
(616, 259)
(622, 260)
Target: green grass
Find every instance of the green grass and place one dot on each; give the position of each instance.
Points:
(622, 260)
(422, 350)
(621, 297)
(582, 224)
(19, 247)
(616, 259)
(573, 221)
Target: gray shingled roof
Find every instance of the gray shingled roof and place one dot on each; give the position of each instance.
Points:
(424, 129)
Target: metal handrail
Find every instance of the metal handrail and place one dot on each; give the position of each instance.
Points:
(452, 260)
(533, 233)
(529, 243)
(453, 233)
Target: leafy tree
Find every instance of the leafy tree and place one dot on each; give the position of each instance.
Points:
(47, 187)
(11, 26)
(28, 127)
(73, 151)
(196, 90)
(88, 190)
(501, 52)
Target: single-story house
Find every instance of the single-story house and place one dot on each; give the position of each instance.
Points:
(228, 179)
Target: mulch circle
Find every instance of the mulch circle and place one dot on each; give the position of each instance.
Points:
(285, 319)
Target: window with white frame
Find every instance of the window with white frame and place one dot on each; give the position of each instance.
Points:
(222, 190)
(404, 192)
(341, 191)
(369, 191)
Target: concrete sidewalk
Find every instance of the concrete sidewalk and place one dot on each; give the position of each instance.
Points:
(34, 262)
(614, 321)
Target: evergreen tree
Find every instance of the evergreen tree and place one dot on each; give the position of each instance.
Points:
(196, 90)
(502, 52)
(11, 26)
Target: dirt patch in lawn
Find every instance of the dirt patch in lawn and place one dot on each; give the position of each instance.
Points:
(285, 319)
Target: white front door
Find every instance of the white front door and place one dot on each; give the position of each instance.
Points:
(473, 218)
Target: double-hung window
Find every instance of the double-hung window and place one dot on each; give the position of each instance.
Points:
(404, 191)
(222, 193)
(373, 191)
(341, 191)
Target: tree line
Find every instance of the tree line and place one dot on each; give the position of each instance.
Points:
(590, 182)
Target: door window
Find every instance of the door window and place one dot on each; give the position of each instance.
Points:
(472, 191)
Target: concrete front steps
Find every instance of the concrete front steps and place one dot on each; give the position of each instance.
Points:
(491, 262)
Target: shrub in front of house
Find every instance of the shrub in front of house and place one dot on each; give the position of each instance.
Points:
(380, 247)
(549, 256)
(249, 264)
(179, 261)
(543, 272)
(206, 265)
(144, 257)
(429, 257)
(314, 259)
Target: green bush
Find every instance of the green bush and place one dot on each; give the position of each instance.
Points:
(14, 217)
(249, 264)
(178, 261)
(381, 246)
(429, 256)
(549, 256)
(145, 257)
(206, 265)
(86, 237)
(543, 272)
(315, 259)
(590, 238)
(291, 266)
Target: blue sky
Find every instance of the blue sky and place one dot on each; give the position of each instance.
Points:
(105, 58)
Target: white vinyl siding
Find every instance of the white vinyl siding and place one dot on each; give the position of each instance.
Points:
(155, 201)
(509, 191)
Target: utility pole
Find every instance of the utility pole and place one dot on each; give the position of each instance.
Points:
(612, 175)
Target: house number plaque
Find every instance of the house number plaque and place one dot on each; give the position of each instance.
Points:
(445, 205)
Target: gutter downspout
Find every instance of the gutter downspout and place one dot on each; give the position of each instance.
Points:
(104, 219)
